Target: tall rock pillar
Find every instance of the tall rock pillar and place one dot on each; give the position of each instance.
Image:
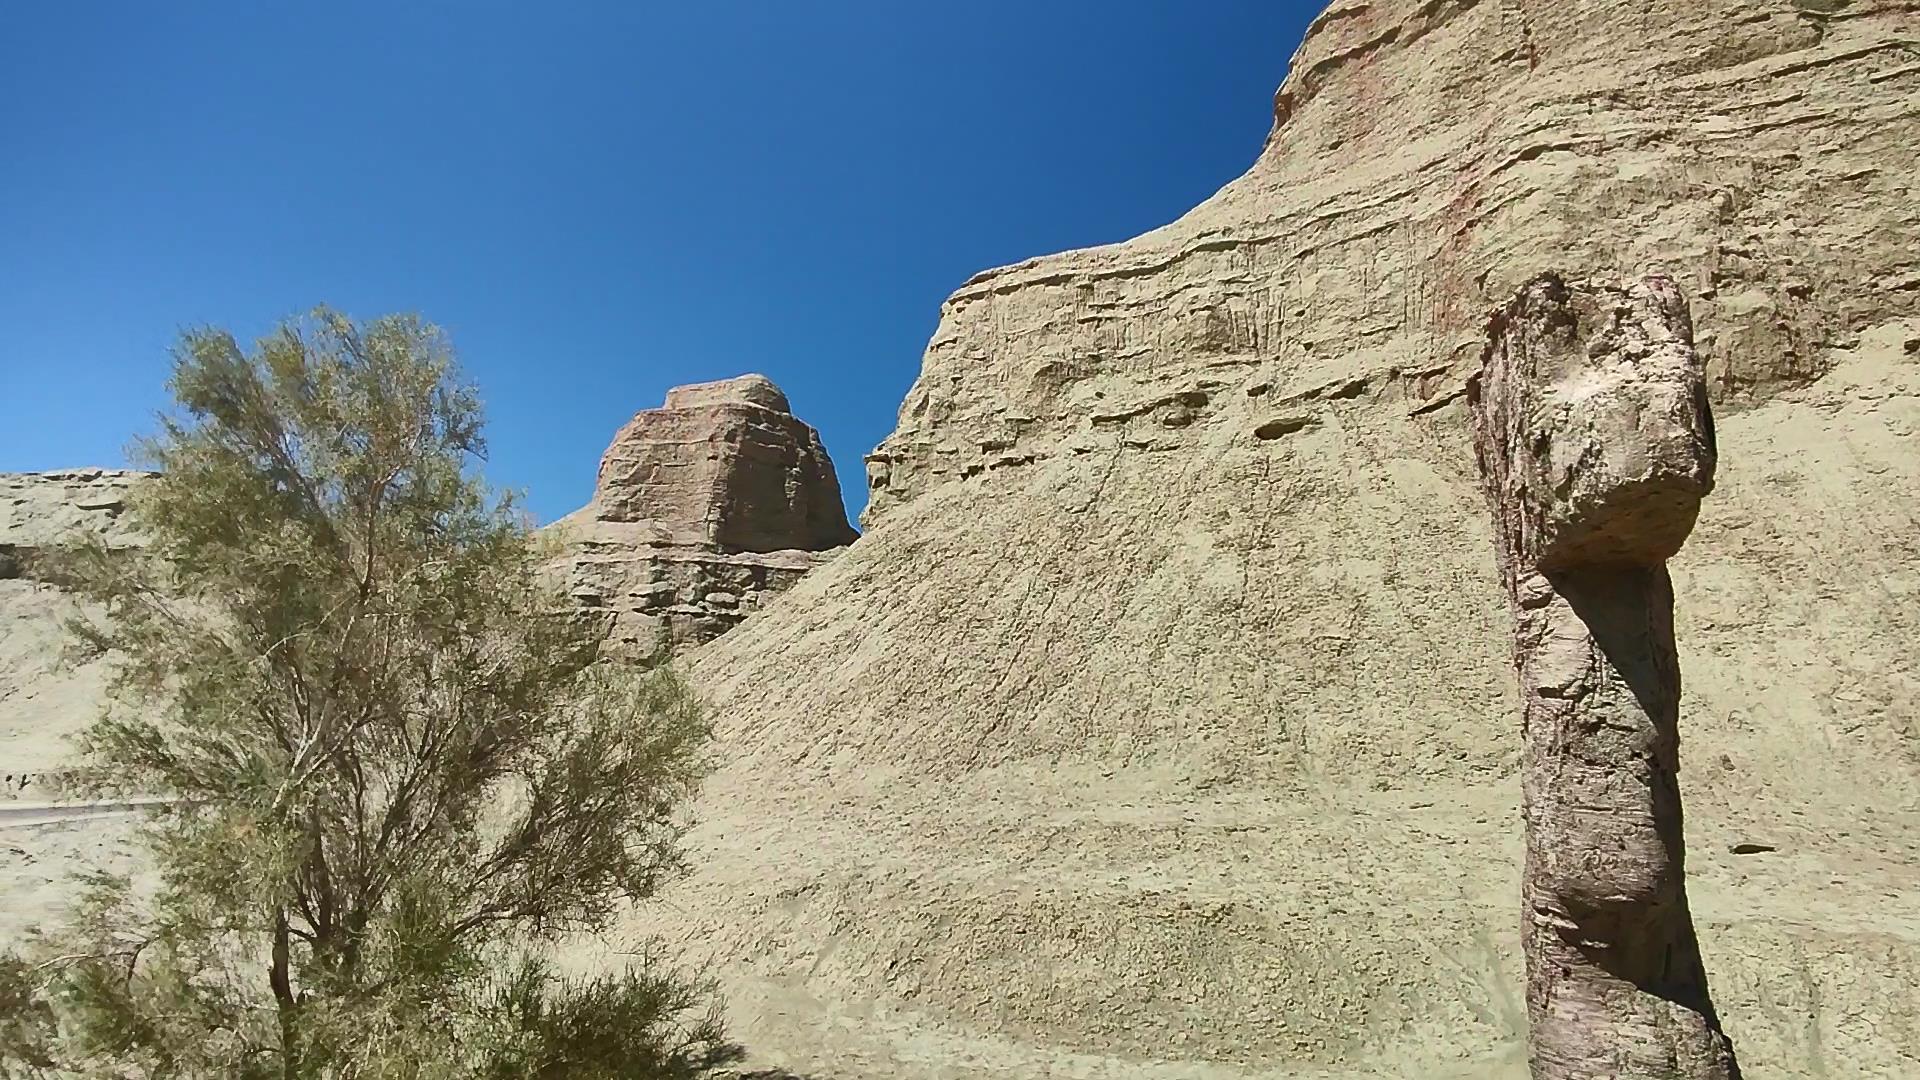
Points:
(1595, 446)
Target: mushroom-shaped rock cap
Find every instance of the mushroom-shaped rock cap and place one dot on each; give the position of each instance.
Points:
(1592, 422)
(739, 390)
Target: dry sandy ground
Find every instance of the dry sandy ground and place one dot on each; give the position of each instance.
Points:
(1135, 847)
(1164, 899)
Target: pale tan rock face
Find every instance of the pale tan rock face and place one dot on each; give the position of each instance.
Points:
(704, 509)
(741, 390)
(1426, 159)
(1162, 722)
(44, 697)
(41, 509)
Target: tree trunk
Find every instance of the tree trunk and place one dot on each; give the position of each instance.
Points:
(280, 978)
(1591, 425)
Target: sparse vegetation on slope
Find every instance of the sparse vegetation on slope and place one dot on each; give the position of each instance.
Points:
(398, 772)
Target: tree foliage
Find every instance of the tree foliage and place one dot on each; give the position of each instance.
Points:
(399, 777)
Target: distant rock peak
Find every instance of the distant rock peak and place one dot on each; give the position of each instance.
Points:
(704, 507)
(724, 464)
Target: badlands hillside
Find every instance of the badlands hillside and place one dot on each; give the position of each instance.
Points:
(1161, 724)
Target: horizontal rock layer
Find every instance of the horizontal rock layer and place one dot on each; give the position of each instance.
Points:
(41, 509)
(655, 597)
(1428, 158)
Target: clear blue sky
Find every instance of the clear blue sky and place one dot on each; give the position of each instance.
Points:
(598, 201)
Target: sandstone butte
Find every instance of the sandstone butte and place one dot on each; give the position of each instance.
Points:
(1162, 722)
(703, 508)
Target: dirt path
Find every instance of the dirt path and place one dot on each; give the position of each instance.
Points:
(32, 814)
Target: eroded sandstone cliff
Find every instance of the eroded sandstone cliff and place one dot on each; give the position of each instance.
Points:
(1161, 723)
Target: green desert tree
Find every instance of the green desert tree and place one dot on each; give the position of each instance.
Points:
(399, 776)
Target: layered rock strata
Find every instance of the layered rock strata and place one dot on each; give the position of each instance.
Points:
(704, 508)
(1160, 723)
(42, 509)
(1595, 444)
